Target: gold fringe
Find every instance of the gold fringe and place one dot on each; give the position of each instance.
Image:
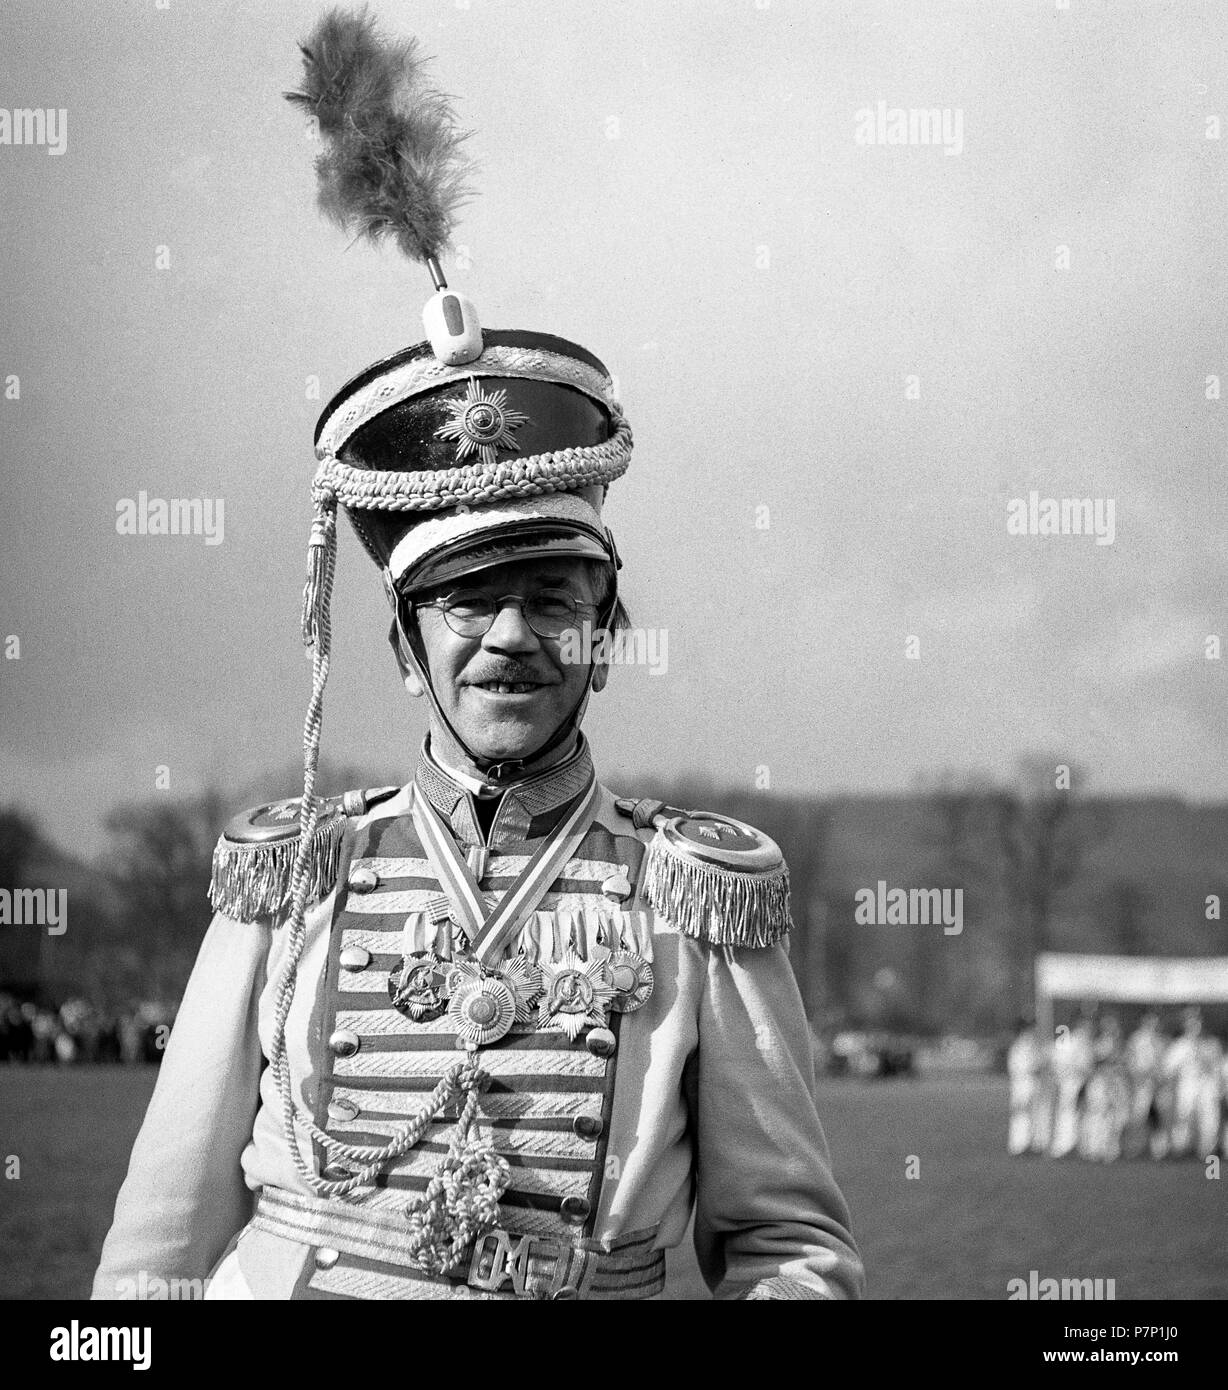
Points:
(254, 880)
(720, 906)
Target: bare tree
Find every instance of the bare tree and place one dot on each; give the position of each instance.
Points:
(20, 843)
(961, 852)
(1040, 840)
(159, 864)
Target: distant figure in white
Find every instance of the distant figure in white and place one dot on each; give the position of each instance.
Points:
(1145, 1048)
(1106, 1103)
(1028, 1063)
(1194, 1064)
(1224, 1090)
(1073, 1058)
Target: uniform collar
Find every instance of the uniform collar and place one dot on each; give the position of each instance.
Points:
(527, 810)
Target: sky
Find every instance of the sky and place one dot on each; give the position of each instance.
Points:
(842, 361)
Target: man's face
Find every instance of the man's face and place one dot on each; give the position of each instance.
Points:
(471, 676)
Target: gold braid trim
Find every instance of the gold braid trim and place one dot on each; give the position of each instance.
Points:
(428, 373)
(564, 470)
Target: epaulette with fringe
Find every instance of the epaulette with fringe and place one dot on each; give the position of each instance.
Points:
(715, 878)
(253, 862)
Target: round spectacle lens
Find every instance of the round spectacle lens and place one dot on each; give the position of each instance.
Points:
(468, 611)
(549, 612)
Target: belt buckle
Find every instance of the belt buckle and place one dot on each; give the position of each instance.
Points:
(493, 1281)
(510, 1259)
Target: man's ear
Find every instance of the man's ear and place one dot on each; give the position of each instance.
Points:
(412, 681)
(601, 674)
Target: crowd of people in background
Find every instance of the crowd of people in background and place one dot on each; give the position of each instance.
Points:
(79, 1031)
(1093, 1093)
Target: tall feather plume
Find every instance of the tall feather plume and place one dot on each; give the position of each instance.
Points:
(393, 165)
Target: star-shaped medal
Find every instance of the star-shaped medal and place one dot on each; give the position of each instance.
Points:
(525, 982)
(481, 423)
(520, 979)
(482, 1010)
(576, 994)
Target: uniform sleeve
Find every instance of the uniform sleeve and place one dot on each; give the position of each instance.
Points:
(770, 1222)
(184, 1197)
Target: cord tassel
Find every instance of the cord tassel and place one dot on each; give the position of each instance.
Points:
(321, 556)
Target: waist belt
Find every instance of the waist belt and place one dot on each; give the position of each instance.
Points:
(502, 1263)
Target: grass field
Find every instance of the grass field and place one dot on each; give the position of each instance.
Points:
(973, 1219)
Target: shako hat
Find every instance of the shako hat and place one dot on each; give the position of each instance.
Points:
(443, 468)
(473, 447)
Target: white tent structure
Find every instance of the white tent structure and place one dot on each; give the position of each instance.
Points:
(1127, 980)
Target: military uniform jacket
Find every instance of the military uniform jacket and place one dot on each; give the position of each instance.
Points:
(705, 1103)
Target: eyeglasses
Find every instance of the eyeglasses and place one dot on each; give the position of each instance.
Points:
(470, 613)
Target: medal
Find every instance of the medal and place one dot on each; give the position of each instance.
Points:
(525, 982)
(483, 1010)
(517, 980)
(631, 976)
(575, 994)
(414, 987)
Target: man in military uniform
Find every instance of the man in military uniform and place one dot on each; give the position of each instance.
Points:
(495, 1033)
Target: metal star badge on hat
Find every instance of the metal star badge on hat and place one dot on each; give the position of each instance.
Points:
(481, 424)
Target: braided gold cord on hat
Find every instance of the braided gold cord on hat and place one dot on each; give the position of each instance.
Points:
(563, 470)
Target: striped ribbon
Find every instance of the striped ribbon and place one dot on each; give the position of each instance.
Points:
(488, 934)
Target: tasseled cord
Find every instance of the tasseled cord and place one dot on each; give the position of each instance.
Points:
(469, 1183)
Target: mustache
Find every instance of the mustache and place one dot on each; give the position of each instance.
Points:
(509, 673)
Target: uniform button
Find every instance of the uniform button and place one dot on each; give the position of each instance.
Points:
(363, 879)
(344, 1043)
(355, 958)
(567, 1291)
(342, 1109)
(575, 1210)
(326, 1257)
(601, 1042)
(588, 1126)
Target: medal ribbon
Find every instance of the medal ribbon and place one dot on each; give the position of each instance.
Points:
(488, 935)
